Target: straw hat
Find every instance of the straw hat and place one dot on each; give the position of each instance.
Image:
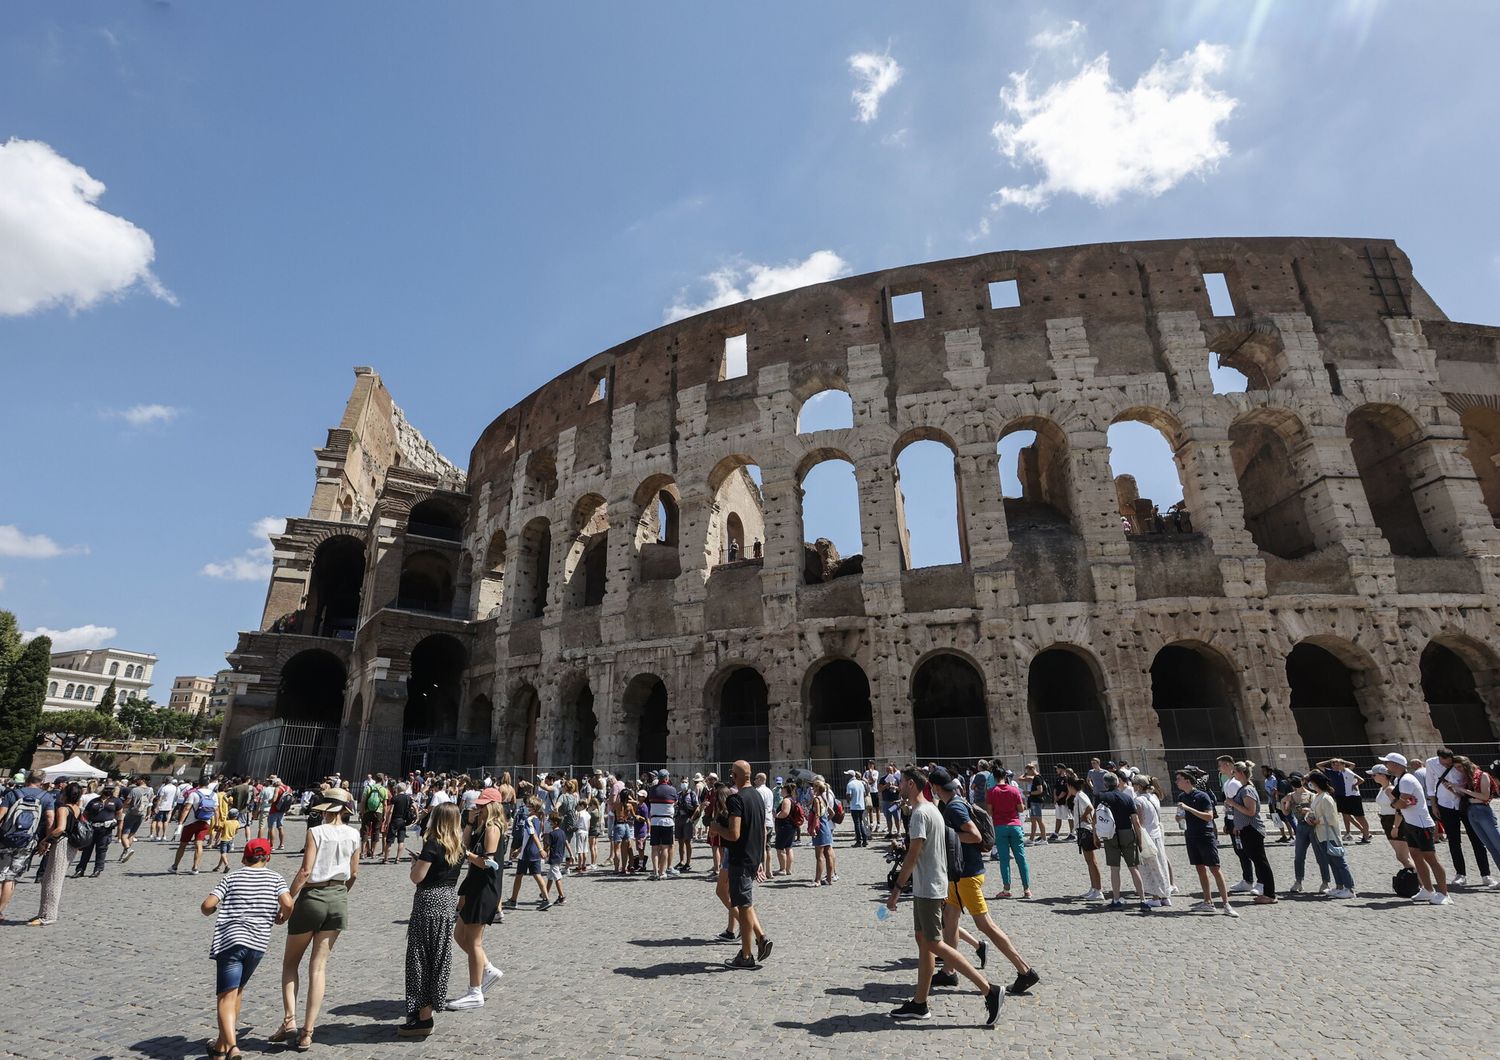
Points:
(334, 799)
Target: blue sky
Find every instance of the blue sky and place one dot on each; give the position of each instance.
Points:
(472, 197)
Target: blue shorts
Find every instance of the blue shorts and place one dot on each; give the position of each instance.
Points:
(274, 819)
(529, 867)
(622, 833)
(236, 965)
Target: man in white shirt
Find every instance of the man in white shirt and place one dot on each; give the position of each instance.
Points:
(855, 796)
(1442, 777)
(871, 778)
(166, 799)
(1418, 829)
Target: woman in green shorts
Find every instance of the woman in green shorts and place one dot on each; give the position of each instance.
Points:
(320, 890)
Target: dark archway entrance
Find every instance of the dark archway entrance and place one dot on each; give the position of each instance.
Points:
(1325, 704)
(338, 569)
(841, 726)
(426, 582)
(1197, 702)
(520, 727)
(744, 719)
(1067, 711)
(1458, 710)
(311, 688)
(430, 721)
(645, 718)
(948, 711)
(579, 727)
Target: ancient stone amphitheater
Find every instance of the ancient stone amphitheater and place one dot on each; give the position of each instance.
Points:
(621, 575)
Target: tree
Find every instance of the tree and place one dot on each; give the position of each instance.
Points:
(135, 715)
(10, 645)
(21, 704)
(107, 701)
(207, 725)
(66, 729)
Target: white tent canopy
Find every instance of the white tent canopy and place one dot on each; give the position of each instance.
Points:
(74, 768)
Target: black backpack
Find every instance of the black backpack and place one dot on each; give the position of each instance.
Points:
(1405, 883)
(982, 821)
(79, 832)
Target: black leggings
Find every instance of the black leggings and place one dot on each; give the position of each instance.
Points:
(1455, 823)
(1252, 848)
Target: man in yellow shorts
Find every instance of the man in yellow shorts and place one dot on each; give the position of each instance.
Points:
(966, 886)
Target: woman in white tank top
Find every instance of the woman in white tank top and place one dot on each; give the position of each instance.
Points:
(320, 890)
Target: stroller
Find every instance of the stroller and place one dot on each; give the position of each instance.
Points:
(895, 854)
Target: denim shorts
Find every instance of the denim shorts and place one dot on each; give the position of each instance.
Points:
(622, 833)
(235, 966)
(274, 819)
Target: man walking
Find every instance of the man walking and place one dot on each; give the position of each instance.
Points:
(686, 819)
(138, 799)
(1418, 829)
(856, 792)
(25, 819)
(1445, 803)
(742, 832)
(166, 802)
(661, 811)
(925, 866)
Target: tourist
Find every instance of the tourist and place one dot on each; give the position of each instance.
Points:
(1345, 782)
(166, 802)
(578, 836)
(1088, 842)
(566, 807)
(596, 831)
(871, 777)
(1095, 778)
(402, 812)
(890, 798)
(1297, 804)
(528, 845)
(786, 828)
(619, 840)
(1121, 843)
(320, 891)
(479, 895)
(1156, 872)
(855, 791)
(965, 866)
(1478, 789)
(820, 827)
(373, 799)
(138, 800)
(1385, 809)
(557, 854)
(51, 848)
(1229, 785)
(982, 781)
(1004, 803)
(925, 866)
(1323, 814)
(1062, 806)
(224, 831)
(1250, 831)
(1202, 840)
(1274, 783)
(1443, 780)
(248, 901)
(25, 819)
(200, 810)
(1036, 789)
(429, 955)
(105, 814)
(685, 814)
(742, 832)
(661, 809)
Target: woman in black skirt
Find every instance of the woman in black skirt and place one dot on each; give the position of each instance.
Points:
(479, 896)
(433, 910)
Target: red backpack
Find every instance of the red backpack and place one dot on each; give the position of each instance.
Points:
(838, 812)
(798, 817)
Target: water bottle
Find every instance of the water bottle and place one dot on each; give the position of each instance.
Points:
(882, 912)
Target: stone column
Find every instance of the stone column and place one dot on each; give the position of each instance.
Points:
(1095, 508)
(1211, 493)
(880, 528)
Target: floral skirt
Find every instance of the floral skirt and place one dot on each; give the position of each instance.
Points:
(429, 950)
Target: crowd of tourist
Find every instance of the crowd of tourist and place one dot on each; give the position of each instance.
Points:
(942, 824)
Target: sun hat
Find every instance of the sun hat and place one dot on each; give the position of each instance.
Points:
(697, 778)
(332, 799)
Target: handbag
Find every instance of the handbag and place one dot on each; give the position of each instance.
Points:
(1148, 846)
(1333, 848)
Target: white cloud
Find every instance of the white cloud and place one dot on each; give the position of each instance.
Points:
(1092, 138)
(876, 75)
(145, 415)
(735, 283)
(252, 565)
(20, 545)
(899, 138)
(1058, 36)
(57, 247)
(89, 636)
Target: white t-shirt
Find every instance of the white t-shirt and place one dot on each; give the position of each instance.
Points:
(1383, 803)
(166, 796)
(1435, 777)
(768, 797)
(929, 876)
(1351, 782)
(470, 797)
(438, 798)
(1230, 787)
(1417, 815)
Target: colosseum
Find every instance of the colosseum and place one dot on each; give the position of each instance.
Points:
(621, 576)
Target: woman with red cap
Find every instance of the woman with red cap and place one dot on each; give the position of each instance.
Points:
(479, 894)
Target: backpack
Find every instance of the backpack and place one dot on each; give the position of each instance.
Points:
(374, 798)
(798, 816)
(22, 822)
(283, 802)
(1104, 822)
(208, 805)
(986, 825)
(1406, 883)
(838, 812)
(79, 832)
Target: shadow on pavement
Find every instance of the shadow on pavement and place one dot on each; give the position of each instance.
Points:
(686, 940)
(375, 1009)
(174, 1045)
(874, 993)
(865, 1022)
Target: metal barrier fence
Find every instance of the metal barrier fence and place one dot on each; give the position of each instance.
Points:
(297, 752)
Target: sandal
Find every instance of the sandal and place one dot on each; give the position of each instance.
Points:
(288, 1029)
(304, 1040)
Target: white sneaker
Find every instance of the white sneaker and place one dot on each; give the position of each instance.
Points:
(1201, 907)
(1230, 911)
(1296, 888)
(1491, 883)
(1341, 892)
(1440, 899)
(1322, 889)
(1424, 895)
(473, 999)
(1093, 896)
(1243, 887)
(1458, 881)
(491, 977)
(1259, 889)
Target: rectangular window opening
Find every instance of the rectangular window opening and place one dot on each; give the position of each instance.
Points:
(1005, 294)
(736, 357)
(906, 307)
(600, 390)
(1218, 294)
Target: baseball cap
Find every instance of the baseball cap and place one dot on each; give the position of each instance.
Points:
(258, 848)
(1382, 770)
(1394, 759)
(850, 773)
(487, 796)
(662, 774)
(938, 776)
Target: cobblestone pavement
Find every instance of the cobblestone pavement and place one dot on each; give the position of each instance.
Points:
(626, 966)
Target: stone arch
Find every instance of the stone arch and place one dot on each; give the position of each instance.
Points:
(1481, 425)
(737, 513)
(742, 714)
(434, 686)
(491, 596)
(1156, 513)
(310, 688)
(1335, 690)
(1065, 698)
(1461, 684)
(1042, 493)
(1387, 443)
(1254, 350)
(949, 709)
(578, 724)
(658, 529)
(916, 453)
(829, 409)
(1273, 489)
(586, 565)
(839, 716)
(1197, 701)
(436, 517)
(427, 582)
(827, 495)
(644, 720)
(533, 569)
(334, 587)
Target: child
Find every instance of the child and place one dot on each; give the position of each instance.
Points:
(642, 829)
(596, 829)
(581, 837)
(529, 856)
(225, 834)
(248, 901)
(557, 852)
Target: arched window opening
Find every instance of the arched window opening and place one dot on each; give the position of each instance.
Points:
(434, 687)
(929, 505)
(744, 718)
(492, 580)
(1326, 702)
(841, 726)
(338, 571)
(948, 711)
(114, 668)
(657, 530)
(311, 688)
(437, 519)
(1067, 711)
(1459, 712)
(1385, 441)
(541, 477)
(645, 720)
(474, 724)
(579, 727)
(827, 410)
(533, 569)
(1230, 380)
(88, 694)
(521, 719)
(1481, 426)
(1270, 484)
(831, 542)
(737, 526)
(1148, 480)
(587, 563)
(1036, 477)
(426, 582)
(1197, 703)
(52, 688)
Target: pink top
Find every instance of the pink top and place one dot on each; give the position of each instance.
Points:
(1005, 802)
